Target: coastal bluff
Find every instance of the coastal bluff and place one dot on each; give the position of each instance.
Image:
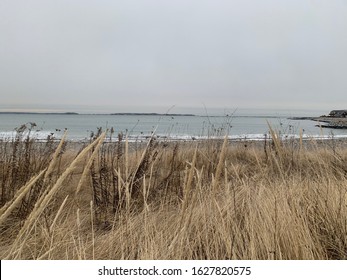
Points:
(338, 114)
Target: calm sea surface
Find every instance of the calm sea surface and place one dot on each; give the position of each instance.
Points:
(240, 125)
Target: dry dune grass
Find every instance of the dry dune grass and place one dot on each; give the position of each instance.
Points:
(158, 200)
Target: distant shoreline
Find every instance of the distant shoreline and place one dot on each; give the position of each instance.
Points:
(152, 114)
(39, 113)
(331, 122)
(101, 114)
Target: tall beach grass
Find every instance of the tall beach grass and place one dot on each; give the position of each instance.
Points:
(213, 199)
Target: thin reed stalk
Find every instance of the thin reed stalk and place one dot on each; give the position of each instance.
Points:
(220, 165)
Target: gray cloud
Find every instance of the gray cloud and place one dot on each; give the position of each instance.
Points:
(133, 54)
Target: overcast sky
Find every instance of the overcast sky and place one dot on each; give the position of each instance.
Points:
(139, 55)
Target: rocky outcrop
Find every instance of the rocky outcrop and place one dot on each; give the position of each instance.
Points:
(337, 119)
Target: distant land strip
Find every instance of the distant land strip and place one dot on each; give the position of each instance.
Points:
(112, 114)
(152, 114)
(40, 113)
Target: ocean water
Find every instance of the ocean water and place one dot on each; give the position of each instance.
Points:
(251, 125)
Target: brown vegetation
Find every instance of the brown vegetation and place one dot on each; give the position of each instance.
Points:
(173, 200)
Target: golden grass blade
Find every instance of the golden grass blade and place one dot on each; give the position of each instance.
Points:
(88, 165)
(54, 158)
(275, 138)
(126, 157)
(144, 154)
(301, 138)
(220, 163)
(43, 256)
(92, 224)
(58, 214)
(7, 209)
(118, 173)
(188, 185)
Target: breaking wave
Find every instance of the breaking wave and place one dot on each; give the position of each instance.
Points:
(45, 134)
(38, 135)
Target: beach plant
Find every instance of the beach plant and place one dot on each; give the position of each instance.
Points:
(213, 199)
